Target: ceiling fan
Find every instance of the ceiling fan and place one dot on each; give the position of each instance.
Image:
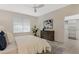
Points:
(36, 6)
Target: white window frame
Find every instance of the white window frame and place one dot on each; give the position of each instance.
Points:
(21, 21)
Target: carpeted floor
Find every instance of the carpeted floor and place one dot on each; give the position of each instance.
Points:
(57, 47)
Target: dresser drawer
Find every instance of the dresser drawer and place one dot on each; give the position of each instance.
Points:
(49, 35)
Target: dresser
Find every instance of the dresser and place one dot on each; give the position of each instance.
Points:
(49, 35)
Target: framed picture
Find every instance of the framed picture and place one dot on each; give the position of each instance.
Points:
(48, 24)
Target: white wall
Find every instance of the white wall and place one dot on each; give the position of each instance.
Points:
(6, 20)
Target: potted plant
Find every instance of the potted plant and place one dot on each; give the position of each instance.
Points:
(35, 30)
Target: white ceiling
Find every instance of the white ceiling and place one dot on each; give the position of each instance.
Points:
(28, 8)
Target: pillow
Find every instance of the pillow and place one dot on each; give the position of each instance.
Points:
(2, 28)
(3, 42)
(8, 35)
(10, 38)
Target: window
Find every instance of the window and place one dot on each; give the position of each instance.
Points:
(21, 24)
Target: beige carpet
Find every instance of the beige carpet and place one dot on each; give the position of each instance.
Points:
(57, 47)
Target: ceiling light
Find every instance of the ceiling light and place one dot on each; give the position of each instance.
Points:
(36, 6)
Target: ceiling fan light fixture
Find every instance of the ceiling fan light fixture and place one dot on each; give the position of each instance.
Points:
(36, 6)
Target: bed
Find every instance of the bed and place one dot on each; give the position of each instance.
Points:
(27, 44)
(32, 45)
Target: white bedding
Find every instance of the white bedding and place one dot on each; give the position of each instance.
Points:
(30, 44)
(24, 44)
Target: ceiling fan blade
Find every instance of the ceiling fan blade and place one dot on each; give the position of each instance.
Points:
(40, 6)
